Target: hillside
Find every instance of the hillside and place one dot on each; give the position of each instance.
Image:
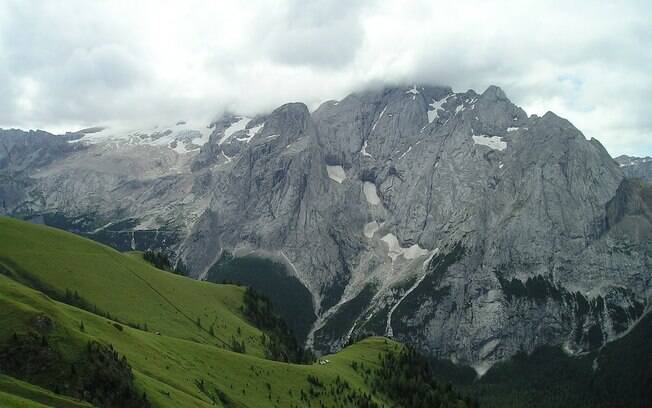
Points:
(112, 284)
(78, 318)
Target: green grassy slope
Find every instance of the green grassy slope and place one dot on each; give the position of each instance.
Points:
(184, 366)
(115, 283)
(169, 369)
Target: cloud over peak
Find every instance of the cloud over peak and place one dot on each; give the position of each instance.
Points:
(78, 63)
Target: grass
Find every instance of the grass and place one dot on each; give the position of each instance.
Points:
(127, 287)
(184, 366)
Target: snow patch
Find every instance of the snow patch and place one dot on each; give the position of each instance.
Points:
(178, 147)
(414, 252)
(228, 159)
(459, 109)
(233, 128)
(373, 127)
(393, 246)
(336, 173)
(489, 348)
(251, 132)
(370, 229)
(293, 143)
(364, 150)
(406, 152)
(514, 129)
(481, 368)
(95, 231)
(413, 91)
(433, 113)
(492, 142)
(370, 193)
(395, 250)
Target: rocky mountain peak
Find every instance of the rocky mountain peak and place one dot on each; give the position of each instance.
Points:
(494, 93)
(452, 221)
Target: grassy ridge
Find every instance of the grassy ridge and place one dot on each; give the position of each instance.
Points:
(168, 369)
(116, 283)
(184, 366)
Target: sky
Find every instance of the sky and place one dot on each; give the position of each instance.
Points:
(68, 64)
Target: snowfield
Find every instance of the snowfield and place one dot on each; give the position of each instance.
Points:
(182, 137)
(492, 142)
(370, 229)
(395, 250)
(370, 193)
(235, 127)
(433, 114)
(336, 173)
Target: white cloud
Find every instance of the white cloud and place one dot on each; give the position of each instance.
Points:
(80, 63)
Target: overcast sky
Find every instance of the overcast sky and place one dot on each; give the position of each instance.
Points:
(65, 65)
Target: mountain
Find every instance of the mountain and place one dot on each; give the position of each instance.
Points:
(451, 221)
(640, 167)
(84, 325)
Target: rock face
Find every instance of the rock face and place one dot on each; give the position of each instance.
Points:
(452, 221)
(636, 167)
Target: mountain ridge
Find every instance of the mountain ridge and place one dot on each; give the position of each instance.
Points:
(365, 201)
